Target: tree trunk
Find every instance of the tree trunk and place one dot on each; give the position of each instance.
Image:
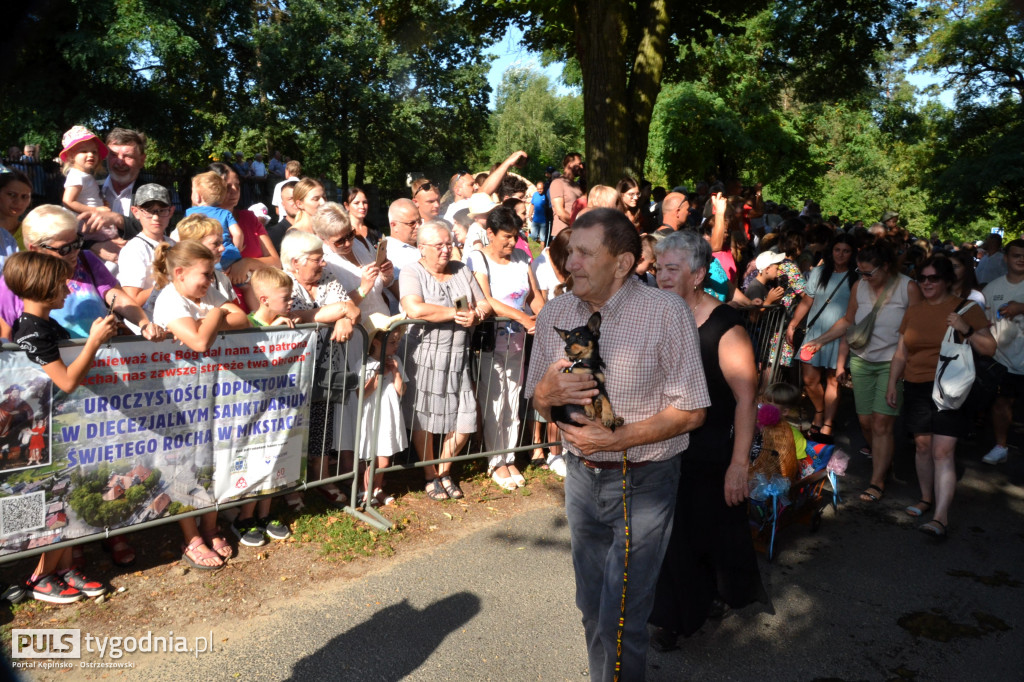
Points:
(620, 82)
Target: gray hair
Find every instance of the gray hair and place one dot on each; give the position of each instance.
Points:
(437, 225)
(47, 222)
(330, 220)
(297, 245)
(689, 242)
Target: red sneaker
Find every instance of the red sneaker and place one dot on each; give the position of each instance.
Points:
(75, 579)
(50, 588)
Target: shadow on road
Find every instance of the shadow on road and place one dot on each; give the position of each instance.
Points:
(414, 634)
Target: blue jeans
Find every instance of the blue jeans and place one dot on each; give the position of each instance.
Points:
(593, 504)
(540, 231)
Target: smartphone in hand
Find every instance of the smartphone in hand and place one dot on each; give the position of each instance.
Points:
(382, 252)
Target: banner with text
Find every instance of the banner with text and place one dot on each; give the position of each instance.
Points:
(155, 429)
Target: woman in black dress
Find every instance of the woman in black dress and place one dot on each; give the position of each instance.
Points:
(710, 558)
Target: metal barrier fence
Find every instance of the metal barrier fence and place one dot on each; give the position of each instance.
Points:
(496, 375)
(339, 397)
(767, 328)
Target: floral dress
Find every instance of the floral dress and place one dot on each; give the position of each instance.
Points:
(795, 287)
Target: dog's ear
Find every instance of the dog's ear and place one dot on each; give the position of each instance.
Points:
(594, 324)
(561, 332)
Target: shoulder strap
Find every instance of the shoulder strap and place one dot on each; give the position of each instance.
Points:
(828, 300)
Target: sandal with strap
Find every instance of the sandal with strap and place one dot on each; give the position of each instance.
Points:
(435, 490)
(451, 487)
(383, 498)
(218, 544)
(872, 494)
(197, 551)
(935, 528)
(919, 508)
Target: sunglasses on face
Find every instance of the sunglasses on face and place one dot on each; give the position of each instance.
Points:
(930, 279)
(66, 249)
(867, 273)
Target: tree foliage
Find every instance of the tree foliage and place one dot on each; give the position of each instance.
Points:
(978, 168)
(347, 86)
(530, 115)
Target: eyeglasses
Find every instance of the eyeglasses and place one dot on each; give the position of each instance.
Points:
(635, 195)
(441, 246)
(409, 223)
(162, 212)
(345, 239)
(930, 279)
(66, 249)
(867, 273)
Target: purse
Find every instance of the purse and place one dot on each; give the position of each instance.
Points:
(330, 386)
(485, 335)
(954, 374)
(858, 335)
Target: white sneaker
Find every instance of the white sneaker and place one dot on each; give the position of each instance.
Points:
(557, 464)
(997, 455)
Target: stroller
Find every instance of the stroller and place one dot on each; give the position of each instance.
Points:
(785, 490)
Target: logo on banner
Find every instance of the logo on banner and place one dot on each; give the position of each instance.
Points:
(241, 483)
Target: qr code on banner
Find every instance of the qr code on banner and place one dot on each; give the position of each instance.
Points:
(22, 513)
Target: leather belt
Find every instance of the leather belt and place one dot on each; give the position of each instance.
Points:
(591, 464)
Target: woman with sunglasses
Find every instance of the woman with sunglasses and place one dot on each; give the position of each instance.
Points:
(915, 362)
(880, 284)
(54, 232)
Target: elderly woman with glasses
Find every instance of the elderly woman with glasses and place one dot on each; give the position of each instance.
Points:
(882, 288)
(443, 292)
(53, 230)
(915, 362)
(710, 554)
(317, 296)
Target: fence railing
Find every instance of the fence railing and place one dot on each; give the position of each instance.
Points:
(336, 406)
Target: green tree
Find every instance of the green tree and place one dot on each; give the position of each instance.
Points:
(530, 115)
(978, 166)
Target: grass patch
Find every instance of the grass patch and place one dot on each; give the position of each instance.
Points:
(341, 537)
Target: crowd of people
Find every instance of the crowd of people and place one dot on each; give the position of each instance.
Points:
(865, 303)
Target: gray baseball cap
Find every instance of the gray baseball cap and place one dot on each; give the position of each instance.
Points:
(152, 192)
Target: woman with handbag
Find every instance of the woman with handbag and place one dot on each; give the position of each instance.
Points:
(919, 353)
(825, 301)
(873, 316)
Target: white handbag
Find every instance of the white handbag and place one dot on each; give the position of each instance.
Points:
(954, 374)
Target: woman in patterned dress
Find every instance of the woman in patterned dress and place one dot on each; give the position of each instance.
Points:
(442, 388)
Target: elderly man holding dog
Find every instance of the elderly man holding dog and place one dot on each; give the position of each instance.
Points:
(627, 478)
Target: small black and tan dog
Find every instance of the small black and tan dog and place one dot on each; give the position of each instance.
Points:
(581, 347)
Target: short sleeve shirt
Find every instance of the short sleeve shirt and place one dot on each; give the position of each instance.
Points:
(651, 353)
(923, 327)
(560, 187)
(39, 337)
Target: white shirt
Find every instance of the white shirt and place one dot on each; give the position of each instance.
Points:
(90, 194)
(351, 277)
(135, 266)
(998, 293)
(401, 254)
(119, 202)
(171, 306)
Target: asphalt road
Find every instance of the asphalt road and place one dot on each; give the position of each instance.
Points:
(867, 597)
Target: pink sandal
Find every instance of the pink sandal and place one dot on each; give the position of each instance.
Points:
(197, 552)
